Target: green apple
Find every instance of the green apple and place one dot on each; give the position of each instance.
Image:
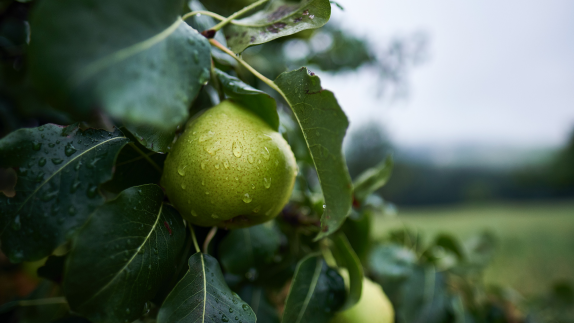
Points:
(373, 307)
(229, 169)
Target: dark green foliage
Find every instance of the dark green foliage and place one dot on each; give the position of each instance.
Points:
(316, 293)
(59, 170)
(203, 295)
(111, 279)
(144, 69)
(248, 248)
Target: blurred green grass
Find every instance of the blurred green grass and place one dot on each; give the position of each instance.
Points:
(536, 240)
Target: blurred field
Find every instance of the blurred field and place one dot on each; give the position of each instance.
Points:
(536, 240)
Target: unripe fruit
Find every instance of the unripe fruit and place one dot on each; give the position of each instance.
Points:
(373, 307)
(229, 169)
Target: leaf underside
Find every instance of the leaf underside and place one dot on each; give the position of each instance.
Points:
(59, 170)
(324, 125)
(279, 19)
(126, 251)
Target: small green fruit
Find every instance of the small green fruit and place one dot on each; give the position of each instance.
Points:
(229, 169)
(373, 307)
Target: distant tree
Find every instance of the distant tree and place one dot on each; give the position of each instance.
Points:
(562, 171)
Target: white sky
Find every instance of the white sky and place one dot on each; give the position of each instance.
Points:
(500, 71)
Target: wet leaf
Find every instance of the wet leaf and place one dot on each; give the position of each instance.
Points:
(138, 61)
(255, 100)
(391, 262)
(372, 179)
(122, 255)
(203, 296)
(59, 170)
(152, 138)
(247, 248)
(324, 125)
(279, 19)
(316, 293)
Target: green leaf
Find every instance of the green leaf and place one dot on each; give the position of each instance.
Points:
(347, 258)
(247, 248)
(123, 254)
(357, 229)
(132, 168)
(59, 170)
(203, 296)
(137, 60)
(316, 293)
(372, 179)
(256, 298)
(324, 125)
(391, 262)
(153, 138)
(255, 100)
(279, 19)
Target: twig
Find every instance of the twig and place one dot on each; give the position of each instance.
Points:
(194, 238)
(133, 145)
(237, 14)
(208, 239)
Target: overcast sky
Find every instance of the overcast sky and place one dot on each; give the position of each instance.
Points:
(499, 72)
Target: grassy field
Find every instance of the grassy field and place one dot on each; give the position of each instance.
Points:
(536, 240)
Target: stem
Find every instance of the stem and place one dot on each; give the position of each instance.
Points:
(202, 12)
(194, 238)
(208, 239)
(247, 66)
(237, 14)
(215, 82)
(327, 254)
(146, 157)
(44, 301)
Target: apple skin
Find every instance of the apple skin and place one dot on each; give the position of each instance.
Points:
(229, 169)
(373, 307)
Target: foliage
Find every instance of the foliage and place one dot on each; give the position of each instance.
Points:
(95, 93)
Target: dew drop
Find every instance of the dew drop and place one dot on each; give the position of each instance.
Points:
(268, 213)
(206, 193)
(257, 209)
(57, 161)
(49, 195)
(216, 166)
(127, 311)
(214, 216)
(250, 159)
(266, 153)
(36, 145)
(226, 164)
(195, 57)
(74, 187)
(245, 307)
(181, 170)
(238, 167)
(237, 149)
(267, 182)
(51, 145)
(236, 178)
(69, 150)
(42, 162)
(224, 318)
(183, 186)
(207, 136)
(252, 186)
(71, 210)
(214, 149)
(230, 310)
(193, 213)
(203, 163)
(203, 182)
(247, 198)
